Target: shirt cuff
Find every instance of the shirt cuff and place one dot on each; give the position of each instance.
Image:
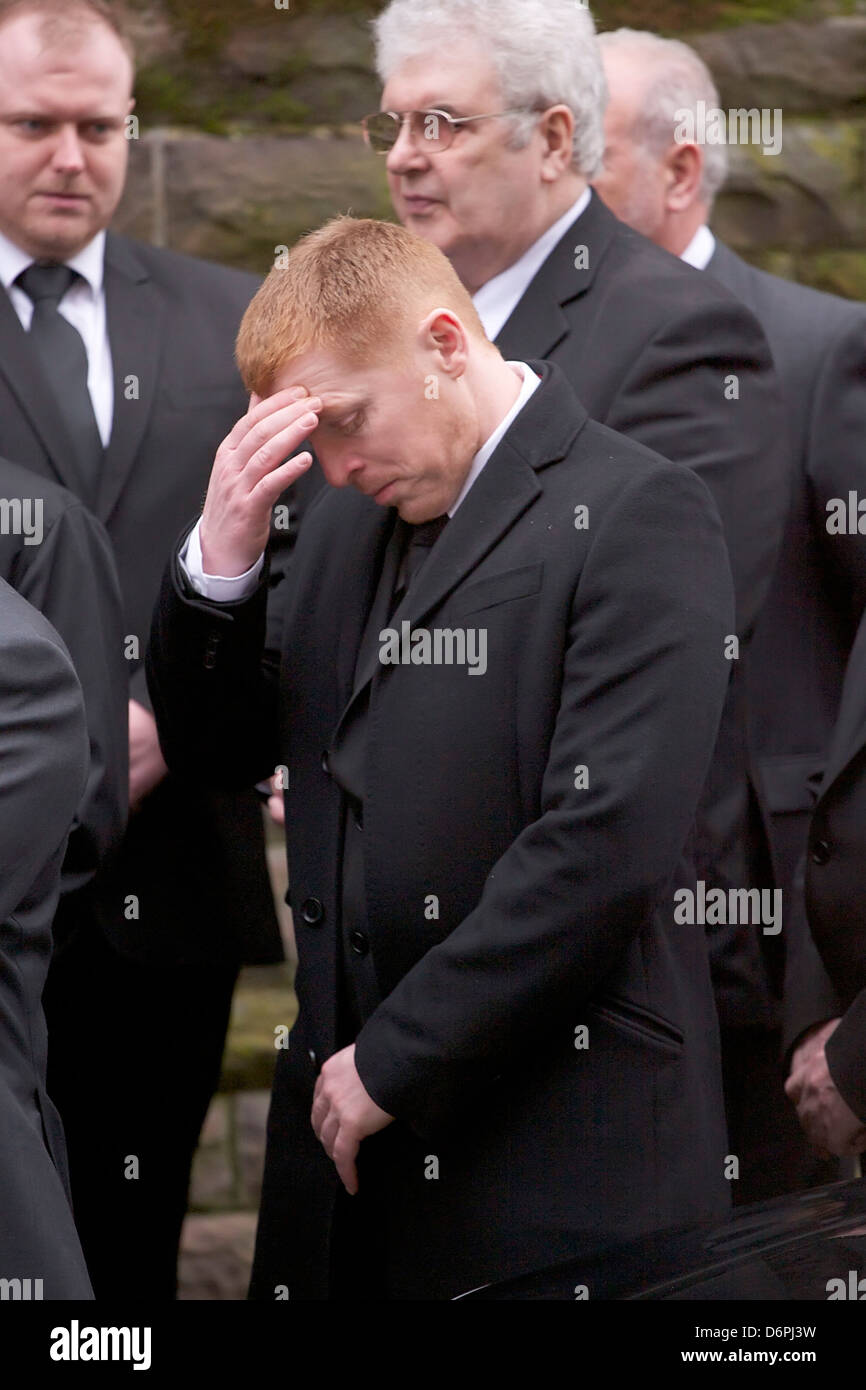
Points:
(214, 586)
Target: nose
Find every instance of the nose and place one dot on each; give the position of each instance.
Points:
(407, 153)
(68, 156)
(338, 465)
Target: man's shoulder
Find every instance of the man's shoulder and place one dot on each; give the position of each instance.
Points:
(617, 462)
(188, 275)
(22, 485)
(812, 316)
(24, 629)
(634, 265)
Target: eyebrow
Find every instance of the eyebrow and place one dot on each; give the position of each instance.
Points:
(52, 117)
(332, 413)
(447, 106)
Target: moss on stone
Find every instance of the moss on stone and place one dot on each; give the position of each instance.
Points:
(263, 1000)
(837, 272)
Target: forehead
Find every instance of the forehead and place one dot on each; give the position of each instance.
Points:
(65, 72)
(627, 84)
(458, 80)
(339, 383)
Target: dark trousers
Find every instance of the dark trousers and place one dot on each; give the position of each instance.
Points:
(763, 1129)
(134, 1058)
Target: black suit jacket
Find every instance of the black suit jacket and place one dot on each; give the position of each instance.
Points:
(835, 886)
(651, 347)
(797, 661)
(67, 572)
(648, 344)
(605, 649)
(44, 760)
(195, 861)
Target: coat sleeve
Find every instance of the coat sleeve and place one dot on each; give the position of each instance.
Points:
(845, 1051)
(43, 746)
(214, 683)
(643, 683)
(719, 411)
(71, 579)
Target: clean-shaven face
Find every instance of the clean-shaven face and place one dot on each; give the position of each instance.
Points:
(63, 149)
(470, 200)
(379, 432)
(633, 181)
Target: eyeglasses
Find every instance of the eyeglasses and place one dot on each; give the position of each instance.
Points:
(435, 128)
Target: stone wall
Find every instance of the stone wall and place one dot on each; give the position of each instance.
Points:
(249, 135)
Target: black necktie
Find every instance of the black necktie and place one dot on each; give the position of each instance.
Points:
(61, 351)
(417, 543)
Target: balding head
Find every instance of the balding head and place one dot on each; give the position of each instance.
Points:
(662, 187)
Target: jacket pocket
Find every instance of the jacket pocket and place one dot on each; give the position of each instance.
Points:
(497, 588)
(639, 1022)
(790, 783)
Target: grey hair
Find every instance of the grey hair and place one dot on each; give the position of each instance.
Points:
(680, 80)
(545, 53)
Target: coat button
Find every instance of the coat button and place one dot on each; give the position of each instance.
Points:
(820, 852)
(312, 912)
(359, 943)
(313, 1055)
(326, 763)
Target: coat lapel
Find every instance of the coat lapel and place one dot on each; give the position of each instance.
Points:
(136, 322)
(24, 374)
(371, 532)
(538, 323)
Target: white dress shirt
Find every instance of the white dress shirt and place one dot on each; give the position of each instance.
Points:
(83, 306)
(497, 300)
(699, 251)
(222, 590)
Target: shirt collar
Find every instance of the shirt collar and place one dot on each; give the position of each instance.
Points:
(700, 249)
(89, 262)
(516, 277)
(531, 383)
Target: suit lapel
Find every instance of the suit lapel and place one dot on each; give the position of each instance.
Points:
(136, 322)
(538, 323)
(24, 374)
(366, 551)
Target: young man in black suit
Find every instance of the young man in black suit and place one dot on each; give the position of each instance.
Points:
(117, 380)
(502, 619)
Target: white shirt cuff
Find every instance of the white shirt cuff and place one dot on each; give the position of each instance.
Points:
(215, 586)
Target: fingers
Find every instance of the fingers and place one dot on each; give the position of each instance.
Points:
(273, 484)
(794, 1087)
(339, 1142)
(274, 429)
(261, 410)
(344, 1153)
